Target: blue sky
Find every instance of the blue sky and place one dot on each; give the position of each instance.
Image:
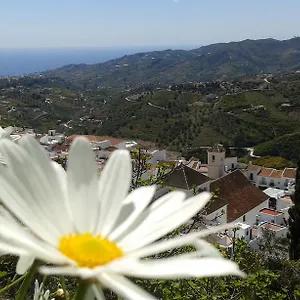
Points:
(127, 23)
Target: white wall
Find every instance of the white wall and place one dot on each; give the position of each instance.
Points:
(283, 203)
(230, 163)
(219, 215)
(278, 234)
(243, 233)
(159, 155)
(251, 215)
(148, 174)
(263, 217)
(253, 172)
(215, 164)
(279, 183)
(103, 144)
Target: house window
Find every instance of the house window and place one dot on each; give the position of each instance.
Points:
(244, 218)
(272, 221)
(286, 182)
(247, 232)
(232, 166)
(257, 219)
(213, 158)
(251, 176)
(263, 181)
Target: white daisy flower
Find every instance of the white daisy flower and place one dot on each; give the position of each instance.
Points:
(39, 293)
(92, 228)
(5, 133)
(24, 262)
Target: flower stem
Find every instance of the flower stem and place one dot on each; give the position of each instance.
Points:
(28, 280)
(12, 283)
(81, 291)
(64, 287)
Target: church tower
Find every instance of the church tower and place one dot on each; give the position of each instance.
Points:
(216, 162)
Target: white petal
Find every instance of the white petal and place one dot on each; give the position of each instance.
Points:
(62, 177)
(206, 249)
(67, 270)
(176, 242)
(83, 185)
(156, 212)
(22, 239)
(132, 207)
(11, 249)
(98, 292)
(124, 287)
(146, 235)
(54, 189)
(8, 131)
(74, 271)
(114, 185)
(24, 263)
(180, 268)
(26, 190)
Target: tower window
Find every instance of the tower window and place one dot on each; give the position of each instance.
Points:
(213, 158)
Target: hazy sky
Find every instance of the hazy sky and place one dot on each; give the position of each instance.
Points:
(126, 23)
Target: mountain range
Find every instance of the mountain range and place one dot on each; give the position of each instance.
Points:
(222, 61)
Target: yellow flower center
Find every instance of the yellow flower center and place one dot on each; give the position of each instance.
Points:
(89, 250)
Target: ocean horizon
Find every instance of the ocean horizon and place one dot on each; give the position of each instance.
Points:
(17, 62)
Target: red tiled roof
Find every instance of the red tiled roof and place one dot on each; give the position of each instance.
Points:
(271, 212)
(240, 195)
(265, 172)
(272, 227)
(276, 173)
(203, 170)
(94, 138)
(289, 173)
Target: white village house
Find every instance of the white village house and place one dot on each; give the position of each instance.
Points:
(269, 177)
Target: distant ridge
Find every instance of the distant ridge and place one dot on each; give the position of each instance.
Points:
(214, 62)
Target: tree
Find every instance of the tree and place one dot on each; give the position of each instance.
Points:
(294, 220)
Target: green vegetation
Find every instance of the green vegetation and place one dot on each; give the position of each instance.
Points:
(275, 162)
(268, 278)
(181, 117)
(286, 146)
(294, 220)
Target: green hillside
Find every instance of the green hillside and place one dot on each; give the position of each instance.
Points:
(223, 61)
(242, 113)
(287, 146)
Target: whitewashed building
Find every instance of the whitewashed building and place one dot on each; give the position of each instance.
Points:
(269, 177)
(242, 198)
(185, 179)
(271, 216)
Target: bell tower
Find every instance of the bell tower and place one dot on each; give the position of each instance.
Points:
(215, 161)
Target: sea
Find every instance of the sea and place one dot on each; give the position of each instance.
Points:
(16, 62)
